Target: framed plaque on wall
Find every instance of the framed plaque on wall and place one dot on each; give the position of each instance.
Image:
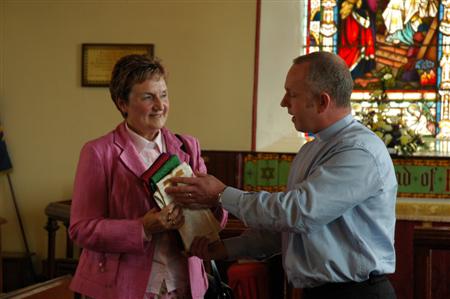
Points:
(98, 60)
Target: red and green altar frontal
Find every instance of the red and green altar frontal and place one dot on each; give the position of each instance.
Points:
(417, 177)
(423, 177)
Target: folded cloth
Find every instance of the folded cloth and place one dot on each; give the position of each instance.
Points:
(147, 175)
(197, 222)
(163, 171)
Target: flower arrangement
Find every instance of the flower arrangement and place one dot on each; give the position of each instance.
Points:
(392, 129)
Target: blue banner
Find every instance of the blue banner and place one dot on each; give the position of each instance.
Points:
(5, 162)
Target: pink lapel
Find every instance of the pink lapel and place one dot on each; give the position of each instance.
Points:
(129, 156)
(174, 145)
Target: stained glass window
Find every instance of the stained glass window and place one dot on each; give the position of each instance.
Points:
(399, 46)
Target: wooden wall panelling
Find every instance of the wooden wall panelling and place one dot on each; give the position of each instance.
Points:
(431, 262)
(227, 166)
(403, 276)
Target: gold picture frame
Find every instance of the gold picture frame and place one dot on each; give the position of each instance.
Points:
(98, 60)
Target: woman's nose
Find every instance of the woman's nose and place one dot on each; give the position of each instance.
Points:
(157, 104)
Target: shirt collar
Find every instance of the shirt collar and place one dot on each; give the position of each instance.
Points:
(327, 133)
(141, 143)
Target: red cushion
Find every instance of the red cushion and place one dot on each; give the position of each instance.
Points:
(249, 280)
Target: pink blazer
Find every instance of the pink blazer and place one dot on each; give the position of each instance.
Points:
(109, 198)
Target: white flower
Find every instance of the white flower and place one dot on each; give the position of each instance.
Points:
(395, 119)
(413, 107)
(387, 76)
(356, 106)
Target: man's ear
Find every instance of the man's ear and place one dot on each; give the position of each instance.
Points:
(324, 102)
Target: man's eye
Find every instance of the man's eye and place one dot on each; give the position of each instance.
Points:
(148, 97)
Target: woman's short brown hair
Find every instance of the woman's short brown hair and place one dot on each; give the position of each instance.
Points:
(130, 70)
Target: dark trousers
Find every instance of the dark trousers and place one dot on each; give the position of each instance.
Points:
(377, 287)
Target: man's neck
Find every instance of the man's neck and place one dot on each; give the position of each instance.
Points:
(332, 117)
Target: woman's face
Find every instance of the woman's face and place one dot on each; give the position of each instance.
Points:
(147, 107)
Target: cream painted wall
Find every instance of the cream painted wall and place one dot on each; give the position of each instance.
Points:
(280, 43)
(208, 47)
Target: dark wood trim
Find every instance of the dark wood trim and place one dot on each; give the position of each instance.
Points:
(256, 74)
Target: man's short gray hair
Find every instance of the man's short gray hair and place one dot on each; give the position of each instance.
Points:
(329, 73)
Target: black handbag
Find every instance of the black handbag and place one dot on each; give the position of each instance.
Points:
(217, 289)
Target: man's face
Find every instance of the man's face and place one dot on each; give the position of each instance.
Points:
(147, 107)
(299, 99)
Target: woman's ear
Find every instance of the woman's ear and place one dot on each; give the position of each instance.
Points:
(123, 106)
(324, 102)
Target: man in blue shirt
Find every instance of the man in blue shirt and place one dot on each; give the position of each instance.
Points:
(334, 224)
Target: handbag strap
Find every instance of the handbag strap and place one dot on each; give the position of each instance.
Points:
(215, 273)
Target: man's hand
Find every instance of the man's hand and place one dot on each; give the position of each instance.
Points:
(202, 190)
(207, 251)
(169, 218)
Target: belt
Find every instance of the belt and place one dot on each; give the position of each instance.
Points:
(334, 286)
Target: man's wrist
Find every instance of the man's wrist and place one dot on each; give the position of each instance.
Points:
(219, 196)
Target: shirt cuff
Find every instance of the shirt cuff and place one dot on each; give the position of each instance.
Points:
(230, 199)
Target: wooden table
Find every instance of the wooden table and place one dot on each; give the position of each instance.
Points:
(58, 212)
(2, 221)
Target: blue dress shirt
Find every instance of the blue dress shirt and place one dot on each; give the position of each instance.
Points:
(336, 221)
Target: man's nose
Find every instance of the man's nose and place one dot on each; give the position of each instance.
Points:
(283, 102)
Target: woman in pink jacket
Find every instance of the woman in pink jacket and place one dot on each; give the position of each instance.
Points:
(130, 247)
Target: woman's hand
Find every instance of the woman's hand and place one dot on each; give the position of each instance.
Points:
(169, 218)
